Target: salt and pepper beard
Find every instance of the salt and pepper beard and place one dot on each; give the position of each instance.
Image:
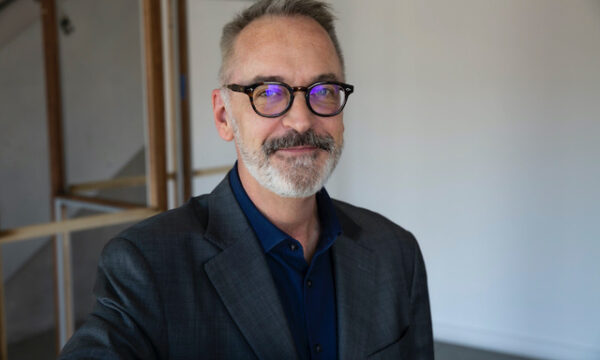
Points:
(300, 176)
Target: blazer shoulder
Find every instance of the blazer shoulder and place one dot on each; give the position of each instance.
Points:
(376, 232)
(368, 220)
(395, 247)
(190, 218)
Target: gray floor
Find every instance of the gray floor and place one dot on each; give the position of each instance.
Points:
(42, 347)
(445, 351)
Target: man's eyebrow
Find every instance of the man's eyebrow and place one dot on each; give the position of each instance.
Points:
(322, 77)
(325, 77)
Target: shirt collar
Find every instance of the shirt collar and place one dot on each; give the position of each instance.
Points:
(268, 234)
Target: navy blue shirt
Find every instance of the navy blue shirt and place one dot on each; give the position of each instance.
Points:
(306, 291)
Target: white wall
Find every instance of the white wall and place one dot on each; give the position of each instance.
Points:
(474, 124)
(102, 84)
(205, 20)
(486, 135)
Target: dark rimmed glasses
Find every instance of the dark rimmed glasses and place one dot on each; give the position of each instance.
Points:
(272, 99)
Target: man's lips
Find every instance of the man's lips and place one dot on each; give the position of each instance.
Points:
(299, 149)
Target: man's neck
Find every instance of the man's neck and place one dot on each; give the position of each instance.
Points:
(297, 217)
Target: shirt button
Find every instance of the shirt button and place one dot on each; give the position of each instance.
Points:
(318, 348)
(293, 247)
(309, 284)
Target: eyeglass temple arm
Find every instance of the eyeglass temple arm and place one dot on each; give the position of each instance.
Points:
(240, 88)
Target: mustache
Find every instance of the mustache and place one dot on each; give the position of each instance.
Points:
(294, 138)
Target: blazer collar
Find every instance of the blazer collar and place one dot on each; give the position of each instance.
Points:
(242, 278)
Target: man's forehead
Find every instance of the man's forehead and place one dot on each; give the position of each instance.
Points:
(283, 24)
(278, 48)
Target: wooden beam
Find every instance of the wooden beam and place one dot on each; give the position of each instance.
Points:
(54, 120)
(67, 278)
(185, 128)
(83, 223)
(212, 171)
(129, 181)
(139, 180)
(100, 201)
(157, 167)
(173, 90)
(53, 97)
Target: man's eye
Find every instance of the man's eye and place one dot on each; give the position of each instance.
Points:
(267, 93)
(324, 91)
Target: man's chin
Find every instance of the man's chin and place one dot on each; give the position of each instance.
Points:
(297, 180)
(295, 176)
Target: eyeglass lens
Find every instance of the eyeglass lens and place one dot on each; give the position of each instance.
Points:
(324, 99)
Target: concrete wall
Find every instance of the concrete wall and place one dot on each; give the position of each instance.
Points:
(475, 125)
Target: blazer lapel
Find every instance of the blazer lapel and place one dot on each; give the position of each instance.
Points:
(242, 278)
(354, 269)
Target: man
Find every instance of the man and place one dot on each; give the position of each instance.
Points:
(266, 266)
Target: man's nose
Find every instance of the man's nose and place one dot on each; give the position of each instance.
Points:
(299, 117)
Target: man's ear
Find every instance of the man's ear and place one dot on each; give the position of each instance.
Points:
(220, 116)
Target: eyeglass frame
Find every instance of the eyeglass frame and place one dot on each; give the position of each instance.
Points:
(249, 90)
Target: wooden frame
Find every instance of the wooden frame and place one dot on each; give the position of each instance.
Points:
(83, 223)
(157, 195)
(173, 113)
(54, 121)
(53, 97)
(138, 180)
(131, 212)
(157, 172)
(114, 204)
(184, 100)
(156, 180)
(128, 181)
(65, 290)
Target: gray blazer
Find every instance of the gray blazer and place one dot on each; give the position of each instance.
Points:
(193, 283)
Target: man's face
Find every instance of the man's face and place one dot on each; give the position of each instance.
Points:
(294, 154)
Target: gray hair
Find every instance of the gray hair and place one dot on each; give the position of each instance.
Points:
(314, 9)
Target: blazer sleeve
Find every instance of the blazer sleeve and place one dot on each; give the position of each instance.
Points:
(421, 314)
(128, 320)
